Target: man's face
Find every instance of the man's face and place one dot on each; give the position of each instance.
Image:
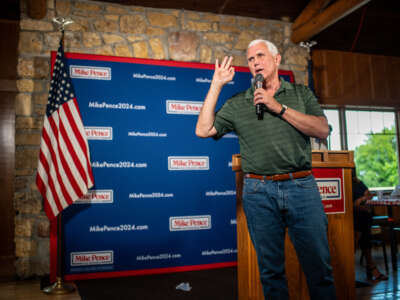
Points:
(261, 61)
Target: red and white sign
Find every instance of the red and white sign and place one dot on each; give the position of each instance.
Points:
(86, 72)
(330, 185)
(189, 223)
(97, 196)
(329, 188)
(92, 258)
(176, 163)
(183, 107)
(99, 133)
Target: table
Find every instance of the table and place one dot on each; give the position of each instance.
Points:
(389, 202)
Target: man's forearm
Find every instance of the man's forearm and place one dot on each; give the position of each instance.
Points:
(205, 121)
(314, 126)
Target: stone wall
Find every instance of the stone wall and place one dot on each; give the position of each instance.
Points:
(110, 29)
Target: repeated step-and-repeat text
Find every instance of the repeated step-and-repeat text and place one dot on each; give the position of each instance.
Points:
(164, 200)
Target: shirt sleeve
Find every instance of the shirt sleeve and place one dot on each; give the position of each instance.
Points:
(223, 122)
(311, 103)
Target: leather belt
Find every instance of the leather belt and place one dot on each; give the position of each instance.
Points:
(279, 177)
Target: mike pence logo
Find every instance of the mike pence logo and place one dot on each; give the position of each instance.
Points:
(88, 72)
(190, 223)
(186, 163)
(329, 188)
(99, 133)
(92, 258)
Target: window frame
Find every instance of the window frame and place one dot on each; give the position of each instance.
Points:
(343, 123)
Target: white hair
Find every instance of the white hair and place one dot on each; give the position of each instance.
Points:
(271, 47)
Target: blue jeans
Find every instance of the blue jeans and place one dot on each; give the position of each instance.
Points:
(270, 208)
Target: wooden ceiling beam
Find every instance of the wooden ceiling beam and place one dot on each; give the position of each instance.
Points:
(313, 8)
(329, 16)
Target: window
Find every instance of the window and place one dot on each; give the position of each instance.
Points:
(334, 137)
(372, 136)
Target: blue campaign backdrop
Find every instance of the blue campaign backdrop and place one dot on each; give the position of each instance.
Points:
(164, 200)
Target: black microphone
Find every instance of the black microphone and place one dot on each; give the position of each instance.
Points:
(258, 83)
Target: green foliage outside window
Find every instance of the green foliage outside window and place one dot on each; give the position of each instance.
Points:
(376, 160)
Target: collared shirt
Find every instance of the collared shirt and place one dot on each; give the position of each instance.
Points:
(269, 146)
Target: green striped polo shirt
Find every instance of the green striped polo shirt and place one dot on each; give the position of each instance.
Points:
(269, 146)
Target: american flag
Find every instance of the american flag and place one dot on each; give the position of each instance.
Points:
(64, 172)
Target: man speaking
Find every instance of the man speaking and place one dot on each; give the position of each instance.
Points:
(274, 121)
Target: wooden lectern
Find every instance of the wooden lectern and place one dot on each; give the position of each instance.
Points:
(340, 236)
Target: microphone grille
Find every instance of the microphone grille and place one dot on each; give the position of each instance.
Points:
(259, 77)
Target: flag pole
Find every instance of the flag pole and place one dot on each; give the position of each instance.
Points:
(60, 287)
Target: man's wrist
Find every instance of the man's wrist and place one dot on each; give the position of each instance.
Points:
(283, 110)
(216, 87)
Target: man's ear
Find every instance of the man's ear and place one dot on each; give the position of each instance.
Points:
(278, 58)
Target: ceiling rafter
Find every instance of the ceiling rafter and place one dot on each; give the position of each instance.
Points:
(313, 8)
(324, 19)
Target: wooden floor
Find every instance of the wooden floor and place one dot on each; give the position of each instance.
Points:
(30, 290)
(382, 290)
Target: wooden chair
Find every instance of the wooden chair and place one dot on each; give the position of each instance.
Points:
(377, 240)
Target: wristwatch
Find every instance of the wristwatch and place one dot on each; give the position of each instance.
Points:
(284, 108)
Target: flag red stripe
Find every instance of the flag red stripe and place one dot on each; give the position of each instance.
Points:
(50, 184)
(64, 163)
(55, 180)
(42, 189)
(71, 152)
(52, 202)
(77, 164)
(81, 142)
(82, 139)
(70, 177)
(86, 151)
(55, 162)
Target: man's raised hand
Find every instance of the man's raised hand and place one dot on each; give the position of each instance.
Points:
(223, 73)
